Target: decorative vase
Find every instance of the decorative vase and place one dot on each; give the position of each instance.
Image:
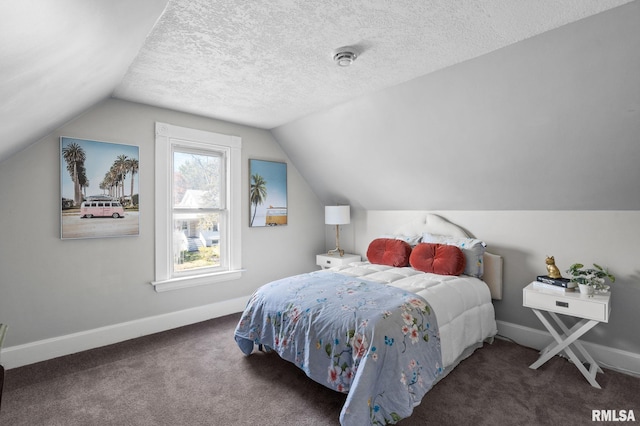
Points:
(586, 289)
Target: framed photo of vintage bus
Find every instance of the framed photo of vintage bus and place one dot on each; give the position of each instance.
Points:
(98, 189)
(267, 193)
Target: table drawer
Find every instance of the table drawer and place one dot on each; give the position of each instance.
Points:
(576, 305)
(327, 262)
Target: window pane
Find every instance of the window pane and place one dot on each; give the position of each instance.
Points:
(198, 207)
(197, 180)
(196, 241)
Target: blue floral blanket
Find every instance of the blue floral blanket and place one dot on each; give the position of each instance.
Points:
(377, 343)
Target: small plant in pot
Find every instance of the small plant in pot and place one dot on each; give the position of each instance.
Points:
(590, 279)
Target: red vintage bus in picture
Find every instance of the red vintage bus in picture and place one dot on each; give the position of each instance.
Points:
(101, 207)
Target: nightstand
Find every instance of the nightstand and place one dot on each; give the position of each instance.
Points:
(331, 260)
(590, 310)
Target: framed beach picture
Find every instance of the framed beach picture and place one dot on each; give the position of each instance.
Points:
(98, 188)
(267, 193)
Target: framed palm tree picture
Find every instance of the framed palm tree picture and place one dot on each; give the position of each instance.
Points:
(98, 189)
(267, 193)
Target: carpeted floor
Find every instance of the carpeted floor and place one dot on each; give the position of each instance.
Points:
(196, 375)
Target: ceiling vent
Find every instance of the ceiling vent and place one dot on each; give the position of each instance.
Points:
(344, 56)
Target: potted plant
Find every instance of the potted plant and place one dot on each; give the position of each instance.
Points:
(590, 279)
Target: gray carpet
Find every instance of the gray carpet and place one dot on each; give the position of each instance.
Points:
(196, 375)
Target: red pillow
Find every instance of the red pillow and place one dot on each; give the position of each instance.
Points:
(439, 259)
(389, 251)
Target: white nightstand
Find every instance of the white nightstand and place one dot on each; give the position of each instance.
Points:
(331, 260)
(591, 310)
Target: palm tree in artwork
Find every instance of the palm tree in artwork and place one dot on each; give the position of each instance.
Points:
(75, 156)
(83, 180)
(105, 185)
(257, 193)
(111, 181)
(120, 166)
(132, 167)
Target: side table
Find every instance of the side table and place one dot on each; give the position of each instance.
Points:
(591, 311)
(330, 260)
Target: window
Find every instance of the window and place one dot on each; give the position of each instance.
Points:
(198, 186)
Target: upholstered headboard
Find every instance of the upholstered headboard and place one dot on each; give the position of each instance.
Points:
(432, 224)
(437, 225)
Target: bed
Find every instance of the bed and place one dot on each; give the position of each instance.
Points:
(386, 330)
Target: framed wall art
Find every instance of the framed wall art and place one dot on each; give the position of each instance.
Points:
(267, 193)
(99, 189)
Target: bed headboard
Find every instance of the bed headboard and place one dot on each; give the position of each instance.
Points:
(432, 224)
(437, 225)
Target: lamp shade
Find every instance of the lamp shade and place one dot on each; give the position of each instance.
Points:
(337, 215)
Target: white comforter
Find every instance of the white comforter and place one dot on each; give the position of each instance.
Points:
(462, 304)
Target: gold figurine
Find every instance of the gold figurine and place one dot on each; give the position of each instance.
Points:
(552, 269)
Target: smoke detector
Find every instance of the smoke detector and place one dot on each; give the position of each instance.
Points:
(344, 56)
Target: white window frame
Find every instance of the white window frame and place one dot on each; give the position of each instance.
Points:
(168, 135)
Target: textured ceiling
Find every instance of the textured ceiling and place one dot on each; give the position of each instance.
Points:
(266, 63)
(261, 63)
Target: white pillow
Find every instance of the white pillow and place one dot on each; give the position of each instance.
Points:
(472, 248)
(412, 240)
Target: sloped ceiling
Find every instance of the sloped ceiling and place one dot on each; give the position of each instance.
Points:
(494, 104)
(263, 63)
(58, 58)
(267, 63)
(550, 123)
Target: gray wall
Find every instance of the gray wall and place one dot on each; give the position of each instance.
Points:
(534, 148)
(524, 238)
(550, 123)
(51, 287)
(523, 147)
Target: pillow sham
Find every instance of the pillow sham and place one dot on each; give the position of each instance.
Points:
(389, 251)
(441, 259)
(412, 240)
(472, 248)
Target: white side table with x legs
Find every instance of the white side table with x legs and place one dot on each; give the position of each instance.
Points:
(591, 311)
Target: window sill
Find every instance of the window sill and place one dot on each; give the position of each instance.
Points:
(198, 280)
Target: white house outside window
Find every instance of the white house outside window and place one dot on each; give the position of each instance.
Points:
(198, 178)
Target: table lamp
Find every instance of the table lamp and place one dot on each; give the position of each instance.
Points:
(337, 215)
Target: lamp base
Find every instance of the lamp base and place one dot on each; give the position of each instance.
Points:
(336, 250)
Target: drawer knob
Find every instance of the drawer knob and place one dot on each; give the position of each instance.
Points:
(562, 304)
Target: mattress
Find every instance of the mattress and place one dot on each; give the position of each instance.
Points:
(462, 304)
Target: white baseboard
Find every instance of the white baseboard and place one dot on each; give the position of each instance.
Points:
(614, 359)
(42, 350)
